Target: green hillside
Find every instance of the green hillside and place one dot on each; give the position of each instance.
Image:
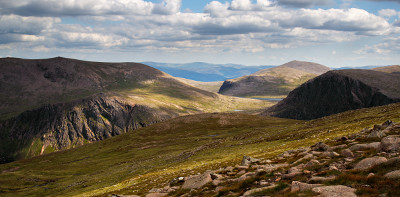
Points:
(135, 162)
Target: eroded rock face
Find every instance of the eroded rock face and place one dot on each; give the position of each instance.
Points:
(66, 125)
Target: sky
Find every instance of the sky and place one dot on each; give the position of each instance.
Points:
(335, 33)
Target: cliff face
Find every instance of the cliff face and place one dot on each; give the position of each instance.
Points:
(62, 126)
(335, 92)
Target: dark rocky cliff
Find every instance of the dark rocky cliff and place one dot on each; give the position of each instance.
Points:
(62, 126)
(338, 91)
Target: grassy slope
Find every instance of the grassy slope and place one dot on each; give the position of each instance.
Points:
(150, 157)
(184, 99)
(207, 86)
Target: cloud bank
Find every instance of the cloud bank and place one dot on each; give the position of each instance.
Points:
(239, 25)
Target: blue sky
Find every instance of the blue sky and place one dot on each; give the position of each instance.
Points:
(335, 33)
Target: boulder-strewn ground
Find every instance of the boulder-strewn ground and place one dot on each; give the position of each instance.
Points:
(363, 164)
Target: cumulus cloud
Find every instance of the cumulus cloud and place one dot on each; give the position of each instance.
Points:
(88, 7)
(167, 7)
(217, 9)
(355, 20)
(247, 25)
(304, 3)
(25, 25)
(389, 45)
(387, 13)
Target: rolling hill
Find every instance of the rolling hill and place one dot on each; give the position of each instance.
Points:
(388, 69)
(277, 81)
(135, 162)
(339, 91)
(56, 104)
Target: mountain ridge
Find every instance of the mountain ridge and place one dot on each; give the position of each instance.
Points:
(83, 102)
(277, 81)
(338, 91)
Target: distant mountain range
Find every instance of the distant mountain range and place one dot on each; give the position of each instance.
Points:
(205, 72)
(276, 81)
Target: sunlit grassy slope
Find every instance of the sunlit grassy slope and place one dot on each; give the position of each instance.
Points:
(135, 162)
(184, 99)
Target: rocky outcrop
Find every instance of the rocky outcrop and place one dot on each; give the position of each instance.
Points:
(62, 126)
(305, 172)
(390, 143)
(370, 162)
(338, 91)
(197, 181)
(335, 191)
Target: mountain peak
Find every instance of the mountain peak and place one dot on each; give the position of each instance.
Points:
(309, 67)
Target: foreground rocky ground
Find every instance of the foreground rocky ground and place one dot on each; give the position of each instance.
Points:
(363, 164)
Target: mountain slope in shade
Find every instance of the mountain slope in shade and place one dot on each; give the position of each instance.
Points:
(56, 104)
(275, 81)
(26, 84)
(67, 125)
(338, 91)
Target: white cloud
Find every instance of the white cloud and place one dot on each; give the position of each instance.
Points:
(241, 5)
(25, 25)
(88, 7)
(239, 26)
(355, 20)
(167, 7)
(304, 3)
(387, 13)
(389, 45)
(217, 9)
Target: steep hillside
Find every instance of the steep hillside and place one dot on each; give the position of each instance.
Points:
(338, 91)
(59, 103)
(26, 84)
(67, 125)
(277, 81)
(150, 157)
